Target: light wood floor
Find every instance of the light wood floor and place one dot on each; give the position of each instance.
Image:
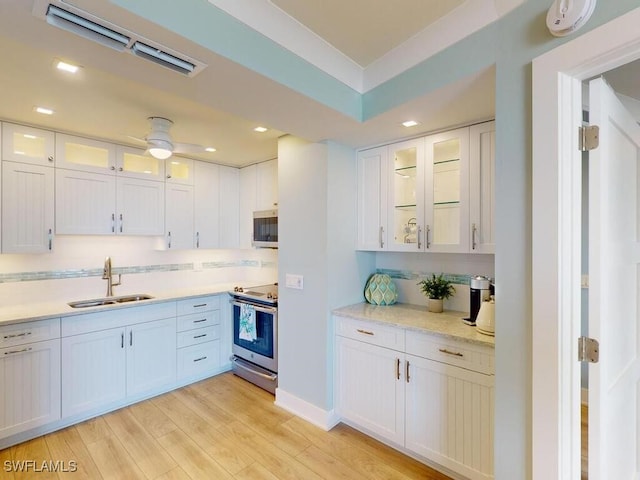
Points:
(220, 428)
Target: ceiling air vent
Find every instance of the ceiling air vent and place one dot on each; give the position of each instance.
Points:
(86, 28)
(75, 20)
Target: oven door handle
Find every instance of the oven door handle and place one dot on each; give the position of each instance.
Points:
(271, 377)
(257, 308)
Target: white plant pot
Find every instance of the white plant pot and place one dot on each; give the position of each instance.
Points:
(435, 305)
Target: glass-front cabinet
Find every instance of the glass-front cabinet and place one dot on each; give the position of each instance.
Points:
(132, 162)
(406, 195)
(27, 145)
(447, 191)
(78, 153)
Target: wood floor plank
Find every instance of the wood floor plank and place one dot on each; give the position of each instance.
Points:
(7, 470)
(153, 419)
(67, 445)
(113, 460)
(210, 412)
(255, 471)
(328, 466)
(193, 460)
(275, 460)
(35, 450)
(150, 457)
(283, 438)
(175, 474)
(93, 430)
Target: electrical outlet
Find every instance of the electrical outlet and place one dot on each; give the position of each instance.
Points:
(294, 281)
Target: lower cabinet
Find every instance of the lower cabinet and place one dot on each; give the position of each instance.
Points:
(106, 366)
(431, 396)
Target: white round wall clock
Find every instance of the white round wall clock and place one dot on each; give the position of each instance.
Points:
(566, 16)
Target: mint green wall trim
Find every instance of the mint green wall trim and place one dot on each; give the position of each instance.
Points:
(214, 29)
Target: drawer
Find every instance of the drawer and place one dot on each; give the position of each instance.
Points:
(198, 359)
(371, 332)
(198, 304)
(461, 354)
(29, 332)
(198, 320)
(199, 335)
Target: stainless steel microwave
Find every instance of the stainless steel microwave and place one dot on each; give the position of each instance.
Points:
(265, 229)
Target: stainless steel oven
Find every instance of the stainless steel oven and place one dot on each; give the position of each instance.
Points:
(255, 335)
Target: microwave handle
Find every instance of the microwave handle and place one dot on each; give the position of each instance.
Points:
(258, 309)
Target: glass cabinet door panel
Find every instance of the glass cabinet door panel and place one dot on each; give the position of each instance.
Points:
(27, 145)
(447, 182)
(406, 187)
(180, 170)
(84, 154)
(133, 162)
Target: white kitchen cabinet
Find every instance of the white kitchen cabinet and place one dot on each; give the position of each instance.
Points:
(370, 388)
(28, 145)
(29, 375)
(28, 206)
(430, 395)
(132, 162)
(207, 205)
(93, 370)
(447, 191)
(179, 216)
(258, 191)
(180, 170)
(102, 366)
(87, 155)
(85, 203)
(267, 185)
(151, 355)
(482, 145)
(29, 386)
(372, 198)
(229, 207)
(140, 206)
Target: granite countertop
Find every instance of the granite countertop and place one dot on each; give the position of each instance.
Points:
(43, 310)
(415, 317)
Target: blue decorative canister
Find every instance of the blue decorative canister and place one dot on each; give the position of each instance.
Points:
(380, 290)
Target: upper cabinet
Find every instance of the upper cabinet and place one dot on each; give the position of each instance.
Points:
(132, 162)
(78, 153)
(207, 205)
(431, 194)
(229, 207)
(267, 185)
(27, 145)
(180, 170)
(258, 191)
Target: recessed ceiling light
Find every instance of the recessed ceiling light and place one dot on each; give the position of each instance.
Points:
(410, 123)
(66, 67)
(260, 129)
(209, 149)
(43, 110)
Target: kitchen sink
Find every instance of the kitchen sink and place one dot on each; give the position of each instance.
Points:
(96, 302)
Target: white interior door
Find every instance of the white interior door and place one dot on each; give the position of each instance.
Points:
(614, 258)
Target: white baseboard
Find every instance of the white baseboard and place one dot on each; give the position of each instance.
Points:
(584, 396)
(308, 411)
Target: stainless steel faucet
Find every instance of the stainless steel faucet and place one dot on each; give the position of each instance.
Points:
(108, 276)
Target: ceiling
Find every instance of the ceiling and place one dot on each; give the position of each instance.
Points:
(115, 92)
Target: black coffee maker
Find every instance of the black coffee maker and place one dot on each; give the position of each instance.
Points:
(480, 290)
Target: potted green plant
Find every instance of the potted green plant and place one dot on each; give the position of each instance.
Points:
(436, 288)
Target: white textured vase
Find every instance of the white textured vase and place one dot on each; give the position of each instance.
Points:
(435, 305)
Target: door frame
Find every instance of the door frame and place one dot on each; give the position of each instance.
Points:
(556, 238)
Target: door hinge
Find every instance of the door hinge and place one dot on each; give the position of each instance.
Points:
(588, 350)
(588, 137)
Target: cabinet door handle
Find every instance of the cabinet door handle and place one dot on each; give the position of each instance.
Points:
(12, 352)
(130, 338)
(364, 332)
(50, 158)
(381, 237)
(17, 335)
(200, 305)
(197, 239)
(50, 239)
(200, 321)
(474, 230)
(169, 239)
(199, 359)
(397, 369)
(121, 339)
(427, 235)
(120, 169)
(449, 352)
(113, 223)
(406, 371)
(200, 336)
(419, 237)
(112, 167)
(121, 223)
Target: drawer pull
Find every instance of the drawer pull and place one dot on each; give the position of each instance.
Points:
(200, 305)
(200, 336)
(365, 332)
(11, 352)
(449, 352)
(200, 321)
(16, 335)
(397, 369)
(198, 359)
(406, 371)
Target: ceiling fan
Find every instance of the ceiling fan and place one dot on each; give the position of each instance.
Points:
(159, 142)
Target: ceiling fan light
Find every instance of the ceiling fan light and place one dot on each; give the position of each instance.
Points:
(160, 153)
